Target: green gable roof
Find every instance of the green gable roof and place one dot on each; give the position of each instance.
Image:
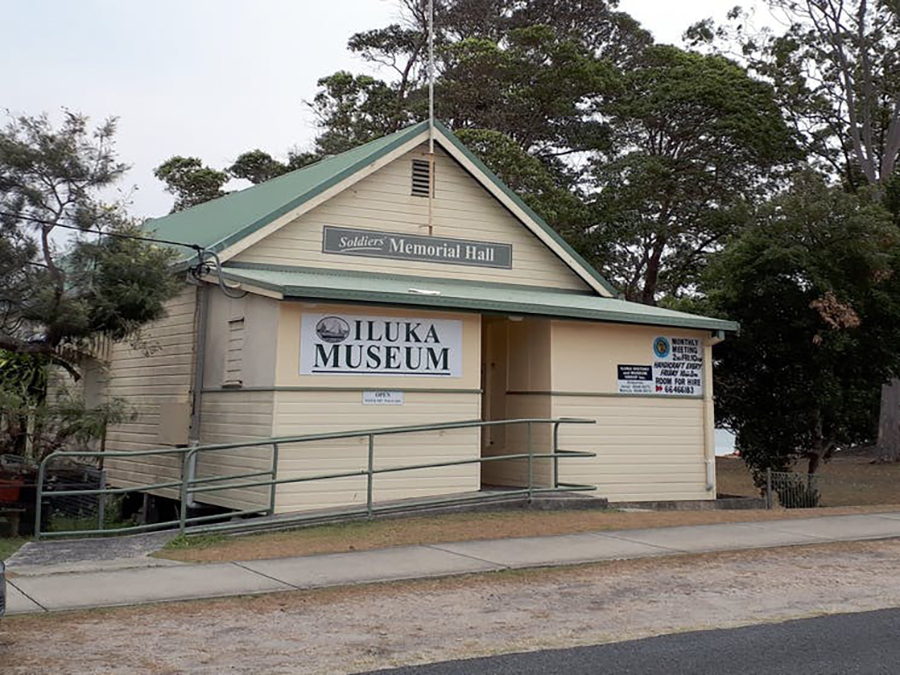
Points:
(219, 223)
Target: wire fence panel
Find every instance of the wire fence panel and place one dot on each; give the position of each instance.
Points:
(793, 490)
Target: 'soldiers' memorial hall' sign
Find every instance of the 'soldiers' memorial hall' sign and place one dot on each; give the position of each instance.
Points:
(374, 244)
(332, 344)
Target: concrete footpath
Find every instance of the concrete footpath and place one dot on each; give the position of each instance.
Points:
(133, 581)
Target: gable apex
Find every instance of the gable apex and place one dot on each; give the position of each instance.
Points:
(231, 224)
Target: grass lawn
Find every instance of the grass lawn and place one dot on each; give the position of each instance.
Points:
(9, 545)
(844, 481)
(458, 527)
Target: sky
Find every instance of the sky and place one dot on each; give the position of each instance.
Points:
(206, 78)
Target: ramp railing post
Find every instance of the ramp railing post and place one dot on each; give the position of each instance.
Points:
(530, 462)
(185, 476)
(40, 499)
(101, 505)
(770, 503)
(273, 486)
(370, 476)
(555, 456)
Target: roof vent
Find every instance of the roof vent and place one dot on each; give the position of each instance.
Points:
(420, 178)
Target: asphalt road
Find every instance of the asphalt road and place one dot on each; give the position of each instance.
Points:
(843, 644)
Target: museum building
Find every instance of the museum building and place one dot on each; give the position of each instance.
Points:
(387, 287)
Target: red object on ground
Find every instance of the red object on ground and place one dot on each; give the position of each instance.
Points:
(9, 489)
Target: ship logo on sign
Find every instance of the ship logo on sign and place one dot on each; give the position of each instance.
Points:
(332, 329)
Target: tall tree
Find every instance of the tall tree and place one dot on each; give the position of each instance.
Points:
(815, 285)
(695, 140)
(836, 71)
(190, 181)
(103, 282)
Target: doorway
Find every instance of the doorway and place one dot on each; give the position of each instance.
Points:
(515, 383)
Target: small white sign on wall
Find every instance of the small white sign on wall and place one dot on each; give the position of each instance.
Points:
(382, 398)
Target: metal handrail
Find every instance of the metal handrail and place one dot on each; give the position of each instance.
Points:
(189, 485)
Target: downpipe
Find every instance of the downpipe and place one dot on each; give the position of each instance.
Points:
(197, 390)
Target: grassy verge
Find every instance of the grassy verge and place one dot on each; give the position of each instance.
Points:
(9, 545)
(458, 527)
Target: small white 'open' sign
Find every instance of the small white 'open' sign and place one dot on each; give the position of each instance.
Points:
(382, 398)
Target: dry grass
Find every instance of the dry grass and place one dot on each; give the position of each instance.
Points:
(463, 527)
(844, 481)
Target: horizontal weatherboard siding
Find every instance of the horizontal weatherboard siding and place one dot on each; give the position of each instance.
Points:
(146, 377)
(301, 412)
(647, 449)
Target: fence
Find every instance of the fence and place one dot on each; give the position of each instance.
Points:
(188, 485)
(805, 491)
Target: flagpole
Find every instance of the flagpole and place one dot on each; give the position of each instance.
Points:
(430, 117)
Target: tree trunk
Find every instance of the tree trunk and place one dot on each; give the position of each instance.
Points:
(889, 421)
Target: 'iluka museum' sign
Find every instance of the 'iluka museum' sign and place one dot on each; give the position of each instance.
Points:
(342, 344)
(415, 247)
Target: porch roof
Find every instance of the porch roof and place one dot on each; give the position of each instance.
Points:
(452, 294)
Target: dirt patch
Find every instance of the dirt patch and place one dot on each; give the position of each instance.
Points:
(464, 527)
(356, 629)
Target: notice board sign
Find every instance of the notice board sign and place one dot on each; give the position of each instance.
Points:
(415, 247)
(634, 379)
(678, 366)
(342, 344)
(676, 370)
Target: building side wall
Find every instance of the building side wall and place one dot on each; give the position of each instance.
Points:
(382, 201)
(648, 447)
(150, 381)
(231, 416)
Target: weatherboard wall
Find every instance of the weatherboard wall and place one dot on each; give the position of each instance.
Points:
(463, 209)
(151, 377)
(649, 447)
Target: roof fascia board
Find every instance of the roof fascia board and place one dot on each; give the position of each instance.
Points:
(353, 175)
(521, 211)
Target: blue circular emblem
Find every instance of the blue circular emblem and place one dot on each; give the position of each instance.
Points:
(661, 347)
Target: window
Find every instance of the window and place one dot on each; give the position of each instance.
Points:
(234, 354)
(420, 178)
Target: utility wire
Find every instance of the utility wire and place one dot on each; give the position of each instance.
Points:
(202, 252)
(40, 221)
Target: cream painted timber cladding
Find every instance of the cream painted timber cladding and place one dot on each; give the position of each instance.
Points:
(334, 403)
(164, 374)
(382, 201)
(233, 416)
(251, 348)
(648, 447)
(311, 412)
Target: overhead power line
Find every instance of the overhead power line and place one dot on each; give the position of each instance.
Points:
(121, 235)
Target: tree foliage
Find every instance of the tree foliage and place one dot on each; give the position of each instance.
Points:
(190, 181)
(58, 296)
(694, 140)
(836, 71)
(814, 281)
